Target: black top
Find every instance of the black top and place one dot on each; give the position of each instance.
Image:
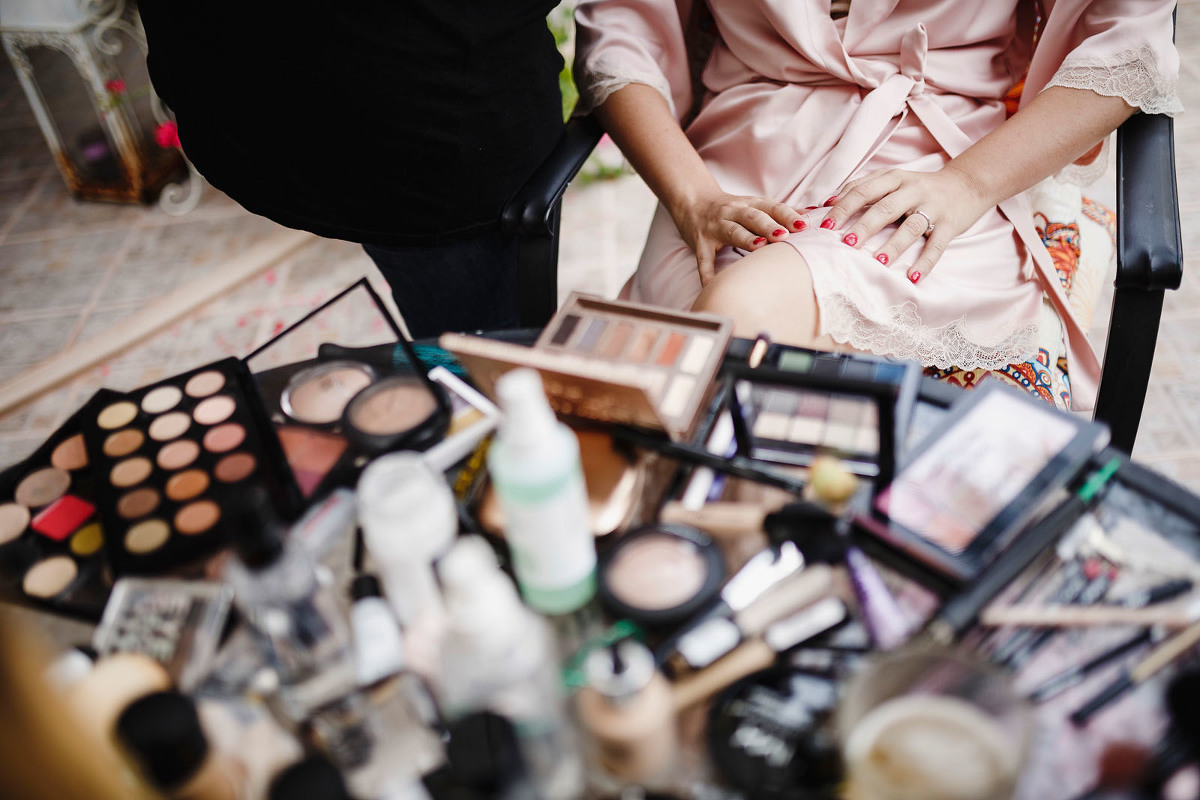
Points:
(379, 122)
(162, 731)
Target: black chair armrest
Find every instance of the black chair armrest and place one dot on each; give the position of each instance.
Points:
(530, 210)
(1149, 244)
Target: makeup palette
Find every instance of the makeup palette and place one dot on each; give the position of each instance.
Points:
(178, 623)
(974, 486)
(611, 361)
(173, 459)
(51, 539)
(343, 398)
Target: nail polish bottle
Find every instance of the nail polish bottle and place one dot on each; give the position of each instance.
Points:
(628, 710)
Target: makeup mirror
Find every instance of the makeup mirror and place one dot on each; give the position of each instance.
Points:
(341, 387)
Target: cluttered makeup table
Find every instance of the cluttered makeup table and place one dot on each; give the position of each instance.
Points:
(743, 570)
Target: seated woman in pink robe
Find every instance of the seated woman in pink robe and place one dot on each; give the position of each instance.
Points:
(852, 180)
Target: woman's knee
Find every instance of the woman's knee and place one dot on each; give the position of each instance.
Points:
(768, 290)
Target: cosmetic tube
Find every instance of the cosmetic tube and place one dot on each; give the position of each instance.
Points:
(628, 709)
(535, 466)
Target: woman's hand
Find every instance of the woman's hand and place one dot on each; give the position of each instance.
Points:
(718, 219)
(937, 205)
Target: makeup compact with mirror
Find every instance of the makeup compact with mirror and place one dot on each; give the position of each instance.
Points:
(343, 385)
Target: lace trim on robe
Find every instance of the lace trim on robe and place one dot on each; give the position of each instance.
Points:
(1131, 75)
(602, 81)
(903, 335)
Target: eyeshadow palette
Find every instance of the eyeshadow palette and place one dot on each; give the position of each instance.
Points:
(51, 538)
(174, 461)
(612, 361)
(973, 486)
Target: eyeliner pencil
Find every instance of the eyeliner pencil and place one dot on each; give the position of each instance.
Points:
(1057, 684)
(959, 613)
(1157, 659)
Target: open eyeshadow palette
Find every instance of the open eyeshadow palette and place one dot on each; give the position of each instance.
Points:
(51, 539)
(970, 489)
(174, 462)
(338, 393)
(613, 361)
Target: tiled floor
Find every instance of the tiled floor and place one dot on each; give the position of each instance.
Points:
(69, 270)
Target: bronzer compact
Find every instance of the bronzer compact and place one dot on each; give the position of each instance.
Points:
(344, 385)
(51, 539)
(173, 461)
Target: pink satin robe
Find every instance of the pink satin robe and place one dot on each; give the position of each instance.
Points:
(797, 104)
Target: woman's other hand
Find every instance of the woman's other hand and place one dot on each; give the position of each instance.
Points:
(935, 205)
(718, 219)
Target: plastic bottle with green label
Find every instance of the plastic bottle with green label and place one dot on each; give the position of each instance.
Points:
(534, 465)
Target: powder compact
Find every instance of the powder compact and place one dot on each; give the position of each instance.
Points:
(610, 361)
(178, 623)
(342, 388)
(660, 575)
(171, 460)
(51, 538)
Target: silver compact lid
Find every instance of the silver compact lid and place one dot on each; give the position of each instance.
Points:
(620, 671)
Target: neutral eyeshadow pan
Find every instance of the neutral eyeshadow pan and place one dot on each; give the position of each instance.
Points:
(146, 537)
(122, 443)
(71, 454)
(43, 487)
(169, 426)
(187, 484)
(138, 503)
(202, 384)
(197, 517)
(178, 454)
(117, 415)
(234, 467)
(214, 410)
(50, 577)
(224, 438)
(164, 398)
(14, 519)
(130, 472)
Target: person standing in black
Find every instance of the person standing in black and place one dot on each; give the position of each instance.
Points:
(404, 126)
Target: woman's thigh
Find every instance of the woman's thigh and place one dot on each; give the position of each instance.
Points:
(768, 291)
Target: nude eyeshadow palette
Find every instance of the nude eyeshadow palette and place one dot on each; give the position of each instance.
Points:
(51, 537)
(614, 361)
(174, 462)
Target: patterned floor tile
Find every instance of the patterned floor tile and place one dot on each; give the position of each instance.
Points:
(57, 273)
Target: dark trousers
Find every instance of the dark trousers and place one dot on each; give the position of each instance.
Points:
(463, 286)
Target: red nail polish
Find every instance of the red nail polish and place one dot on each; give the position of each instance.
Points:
(916, 276)
(850, 239)
(831, 201)
(827, 224)
(778, 232)
(882, 258)
(811, 208)
(760, 240)
(799, 225)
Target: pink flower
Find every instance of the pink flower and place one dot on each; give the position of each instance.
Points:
(116, 86)
(167, 134)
